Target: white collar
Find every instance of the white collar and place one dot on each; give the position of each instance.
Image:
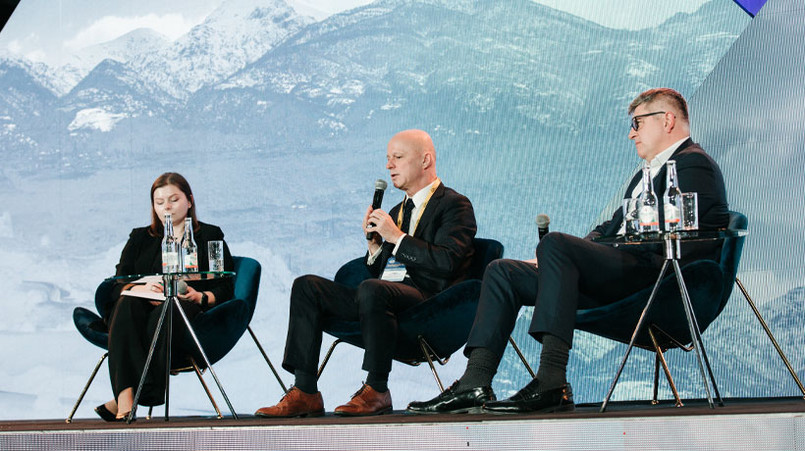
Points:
(422, 194)
(665, 155)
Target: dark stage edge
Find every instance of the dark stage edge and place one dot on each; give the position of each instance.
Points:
(777, 423)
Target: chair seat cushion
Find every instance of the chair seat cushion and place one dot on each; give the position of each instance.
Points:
(443, 320)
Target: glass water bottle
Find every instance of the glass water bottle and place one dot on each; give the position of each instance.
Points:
(647, 213)
(170, 248)
(189, 248)
(672, 199)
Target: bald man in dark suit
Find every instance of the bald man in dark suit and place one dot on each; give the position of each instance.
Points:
(419, 248)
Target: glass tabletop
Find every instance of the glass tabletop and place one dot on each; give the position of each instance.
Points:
(680, 235)
(188, 276)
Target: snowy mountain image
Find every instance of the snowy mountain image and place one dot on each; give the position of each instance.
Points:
(234, 35)
(280, 124)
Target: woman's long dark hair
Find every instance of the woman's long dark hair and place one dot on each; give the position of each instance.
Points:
(175, 179)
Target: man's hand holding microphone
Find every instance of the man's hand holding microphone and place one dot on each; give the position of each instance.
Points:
(377, 224)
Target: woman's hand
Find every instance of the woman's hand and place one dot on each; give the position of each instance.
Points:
(150, 287)
(191, 295)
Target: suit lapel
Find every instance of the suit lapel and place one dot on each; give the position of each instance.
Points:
(659, 179)
(430, 209)
(635, 180)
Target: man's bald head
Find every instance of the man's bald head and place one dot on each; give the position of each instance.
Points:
(417, 140)
(411, 160)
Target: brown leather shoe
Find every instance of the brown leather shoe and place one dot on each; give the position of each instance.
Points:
(367, 401)
(295, 403)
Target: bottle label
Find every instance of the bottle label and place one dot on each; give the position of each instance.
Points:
(671, 213)
(190, 261)
(170, 261)
(648, 217)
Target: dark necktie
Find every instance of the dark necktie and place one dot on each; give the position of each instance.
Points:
(407, 209)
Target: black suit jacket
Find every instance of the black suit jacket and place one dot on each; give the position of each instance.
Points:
(697, 172)
(439, 253)
(143, 255)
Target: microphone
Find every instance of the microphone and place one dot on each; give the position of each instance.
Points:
(182, 287)
(377, 201)
(542, 224)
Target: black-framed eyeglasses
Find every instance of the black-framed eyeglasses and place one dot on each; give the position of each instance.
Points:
(636, 124)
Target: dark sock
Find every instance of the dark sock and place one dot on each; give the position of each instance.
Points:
(307, 382)
(481, 368)
(378, 381)
(553, 362)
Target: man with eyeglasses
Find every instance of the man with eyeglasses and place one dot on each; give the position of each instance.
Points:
(572, 273)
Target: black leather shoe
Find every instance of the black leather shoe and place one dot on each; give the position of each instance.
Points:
(452, 401)
(532, 398)
(105, 414)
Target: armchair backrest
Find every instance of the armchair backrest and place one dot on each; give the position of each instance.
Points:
(219, 328)
(486, 250)
(247, 281)
(731, 255)
(103, 299)
(445, 319)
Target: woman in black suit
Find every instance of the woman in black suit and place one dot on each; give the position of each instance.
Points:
(133, 320)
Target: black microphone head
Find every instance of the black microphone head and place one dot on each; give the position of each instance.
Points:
(381, 185)
(543, 220)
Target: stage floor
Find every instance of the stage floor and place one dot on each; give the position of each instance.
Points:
(777, 423)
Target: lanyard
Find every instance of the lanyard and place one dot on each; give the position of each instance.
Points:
(433, 187)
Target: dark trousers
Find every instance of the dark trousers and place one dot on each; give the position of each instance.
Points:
(573, 274)
(375, 303)
(131, 331)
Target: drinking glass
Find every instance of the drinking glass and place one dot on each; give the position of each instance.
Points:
(690, 211)
(215, 254)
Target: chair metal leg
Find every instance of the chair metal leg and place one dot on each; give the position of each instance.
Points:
(522, 357)
(771, 336)
(206, 388)
(265, 356)
(150, 412)
(655, 398)
(86, 387)
(426, 351)
(660, 360)
(327, 357)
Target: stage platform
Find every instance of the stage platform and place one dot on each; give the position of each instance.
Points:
(742, 424)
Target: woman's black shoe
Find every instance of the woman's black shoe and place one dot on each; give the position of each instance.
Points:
(105, 414)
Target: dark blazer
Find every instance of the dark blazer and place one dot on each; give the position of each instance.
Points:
(143, 255)
(697, 172)
(439, 253)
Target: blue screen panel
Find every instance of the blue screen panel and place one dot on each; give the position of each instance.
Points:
(751, 6)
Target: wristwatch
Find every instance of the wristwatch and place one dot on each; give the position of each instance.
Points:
(205, 301)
